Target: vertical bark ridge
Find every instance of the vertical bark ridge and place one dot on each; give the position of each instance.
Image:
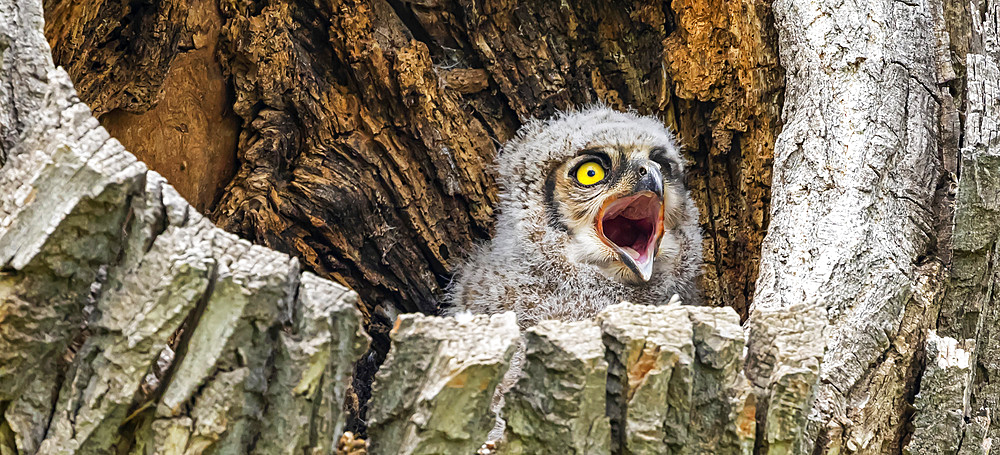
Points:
(968, 315)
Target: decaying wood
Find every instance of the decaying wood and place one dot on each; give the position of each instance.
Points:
(940, 408)
(641, 379)
(366, 129)
(969, 312)
(186, 339)
(148, 70)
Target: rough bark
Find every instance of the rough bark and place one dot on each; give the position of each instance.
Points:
(558, 405)
(785, 352)
(641, 379)
(129, 322)
(869, 224)
(859, 211)
(446, 409)
(148, 70)
(968, 317)
(675, 380)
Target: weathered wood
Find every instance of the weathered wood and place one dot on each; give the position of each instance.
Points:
(140, 309)
(129, 322)
(675, 381)
(785, 351)
(941, 404)
(558, 404)
(723, 403)
(313, 369)
(146, 342)
(434, 392)
(649, 377)
(199, 341)
(148, 70)
(23, 65)
(54, 241)
(969, 310)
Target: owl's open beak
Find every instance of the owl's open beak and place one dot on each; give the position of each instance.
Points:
(633, 225)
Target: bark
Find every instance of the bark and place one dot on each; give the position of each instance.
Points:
(129, 322)
(560, 402)
(447, 408)
(357, 137)
(863, 209)
(968, 315)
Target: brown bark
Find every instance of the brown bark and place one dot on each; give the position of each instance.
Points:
(149, 71)
(366, 129)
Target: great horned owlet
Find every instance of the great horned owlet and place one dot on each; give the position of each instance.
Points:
(593, 211)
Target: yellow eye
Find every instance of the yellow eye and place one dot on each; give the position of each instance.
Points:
(590, 173)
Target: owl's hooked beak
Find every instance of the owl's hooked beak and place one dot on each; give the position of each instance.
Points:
(632, 225)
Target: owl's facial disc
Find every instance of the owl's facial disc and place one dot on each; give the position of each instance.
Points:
(612, 204)
(633, 226)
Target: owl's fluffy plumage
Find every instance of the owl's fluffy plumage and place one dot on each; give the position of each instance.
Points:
(550, 257)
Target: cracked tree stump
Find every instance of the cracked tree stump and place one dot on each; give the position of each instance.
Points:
(433, 393)
(558, 404)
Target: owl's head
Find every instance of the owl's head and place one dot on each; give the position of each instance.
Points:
(599, 186)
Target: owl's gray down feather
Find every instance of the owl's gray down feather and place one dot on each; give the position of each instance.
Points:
(534, 265)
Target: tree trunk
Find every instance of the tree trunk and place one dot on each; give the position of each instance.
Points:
(358, 138)
(862, 218)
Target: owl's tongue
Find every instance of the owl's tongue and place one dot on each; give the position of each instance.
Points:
(634, 224)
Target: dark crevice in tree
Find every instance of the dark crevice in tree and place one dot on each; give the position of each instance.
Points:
(413, 26)
(914, 374)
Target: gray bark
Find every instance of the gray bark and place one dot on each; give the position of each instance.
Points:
(434, 391)
(970, 314)
(862, 220)
(558, 405)
(786, 347)
(642, 379)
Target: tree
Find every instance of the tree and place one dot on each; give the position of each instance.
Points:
(357, 137)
